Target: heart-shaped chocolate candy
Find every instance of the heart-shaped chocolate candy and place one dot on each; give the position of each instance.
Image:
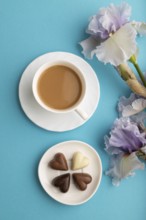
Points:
(63, 182)
(79, 161)
(81, 180)
(59, 162)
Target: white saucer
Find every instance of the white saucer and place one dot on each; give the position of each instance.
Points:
(74, 196)
(52, 121)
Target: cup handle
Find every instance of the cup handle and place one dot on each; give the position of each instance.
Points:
(81, 113)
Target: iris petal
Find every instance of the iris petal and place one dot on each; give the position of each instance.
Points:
(140, 27)
(119, 47)
(89, 46)
(123, 166)
(125, 137)
(115, 16)
(109, 20)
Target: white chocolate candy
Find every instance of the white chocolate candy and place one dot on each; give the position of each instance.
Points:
(79, 161)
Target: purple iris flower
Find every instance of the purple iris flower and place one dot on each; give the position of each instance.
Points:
(133, 107)
(125, 137)
(111, 30)
(109, 20)
(125, 141)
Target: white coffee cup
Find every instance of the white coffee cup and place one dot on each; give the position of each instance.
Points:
(77, 106)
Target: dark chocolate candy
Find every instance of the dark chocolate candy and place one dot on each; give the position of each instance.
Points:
(59, 162)
(81, 180)
(63, 182)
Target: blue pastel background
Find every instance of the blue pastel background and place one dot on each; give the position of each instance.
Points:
(28, 29)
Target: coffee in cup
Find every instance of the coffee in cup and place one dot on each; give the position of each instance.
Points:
(59, 87)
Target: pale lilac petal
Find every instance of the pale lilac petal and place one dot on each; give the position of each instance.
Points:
(140, 27)
(123, 102)
(109, 20)
(111, 149)
(124, 137)
(125, 12)
(119, 47)
(131, 106)
(123, 166)
(139, 118)
(128, 111)
(96, 29)
(115, 16)
(137, 106)
(89, 46)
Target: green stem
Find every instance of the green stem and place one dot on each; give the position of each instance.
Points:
(140, 73)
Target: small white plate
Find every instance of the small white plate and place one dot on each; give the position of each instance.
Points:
(74, 196)
(52, 121)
